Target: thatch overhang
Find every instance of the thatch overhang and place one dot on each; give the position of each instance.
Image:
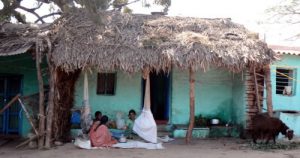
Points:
(132, 42)
(20, 38)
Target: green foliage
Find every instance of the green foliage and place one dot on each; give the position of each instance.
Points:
(201, 121)
(4, 18)
(285, 11)
(94, 5)
(163, 2)
(10, 7)
(127, 10)
(117, 3)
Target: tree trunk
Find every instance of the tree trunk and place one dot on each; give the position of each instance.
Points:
(41, 115)
(65, 87)
(269, 90)
(192, 106)
(52, 79)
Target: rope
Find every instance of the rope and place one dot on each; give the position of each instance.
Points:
(289, 77)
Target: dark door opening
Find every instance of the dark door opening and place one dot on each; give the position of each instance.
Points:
(10, 120)
(159, 93)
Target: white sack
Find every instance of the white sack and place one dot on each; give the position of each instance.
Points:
(145, 126)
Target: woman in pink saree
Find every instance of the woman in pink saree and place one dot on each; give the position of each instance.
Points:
(100, 135)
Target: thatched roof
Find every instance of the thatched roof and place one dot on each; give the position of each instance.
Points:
(19, 38)
(132, 42)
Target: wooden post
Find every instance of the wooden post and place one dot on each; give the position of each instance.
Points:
(28, 140)
(192, 106)
(147, 99)
(269, 90)
(9, 103)
(52, 79)
(28, 116)
(41, 115)
(256, 91)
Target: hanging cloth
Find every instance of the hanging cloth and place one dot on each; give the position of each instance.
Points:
(86, 117)
(144, 125)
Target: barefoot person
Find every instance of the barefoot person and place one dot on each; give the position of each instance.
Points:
(129, 123)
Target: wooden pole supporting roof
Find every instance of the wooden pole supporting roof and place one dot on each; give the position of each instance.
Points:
(38, 60)
(269, 90)
(52, 83)
(192, 106)
(147, 100)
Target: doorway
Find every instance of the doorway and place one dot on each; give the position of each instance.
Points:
(10, 119)
(159, 96)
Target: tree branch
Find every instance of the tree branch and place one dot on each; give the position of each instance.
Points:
(44, 1)
(45, 16)
(119, 6)
(38, 7)
(19, 17)
(32, 12)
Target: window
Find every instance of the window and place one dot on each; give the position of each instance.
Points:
(285, 81)
(106, 83)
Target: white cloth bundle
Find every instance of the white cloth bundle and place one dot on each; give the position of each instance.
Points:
(138, 144)
(145, 126)
(86, 144)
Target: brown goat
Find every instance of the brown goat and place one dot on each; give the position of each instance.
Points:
(265, 127)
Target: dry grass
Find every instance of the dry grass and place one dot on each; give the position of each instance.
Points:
(19, 38)
(132, 42)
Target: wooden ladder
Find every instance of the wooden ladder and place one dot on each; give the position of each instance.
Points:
(254, 94)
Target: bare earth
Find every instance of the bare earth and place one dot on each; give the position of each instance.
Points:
(200, 148)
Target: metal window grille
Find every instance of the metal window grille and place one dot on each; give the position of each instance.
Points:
(106, 83)
(285, 81)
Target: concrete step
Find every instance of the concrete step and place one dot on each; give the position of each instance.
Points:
(161, 128)
(162, 134)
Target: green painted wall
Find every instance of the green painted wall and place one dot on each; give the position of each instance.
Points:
(218, 92)
(24, 65)
(215, 95)
(281, 102)
(292, 121)
(238, 99)
(127, 95)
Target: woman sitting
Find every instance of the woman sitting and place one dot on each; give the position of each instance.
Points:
(100, 135)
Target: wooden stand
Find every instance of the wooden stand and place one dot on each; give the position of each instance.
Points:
(28, 116)
(17, 97)
(9, 103)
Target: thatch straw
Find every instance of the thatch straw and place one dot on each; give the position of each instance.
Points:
(18, 38)
(132, 42)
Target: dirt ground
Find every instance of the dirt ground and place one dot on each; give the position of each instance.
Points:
(200, 148)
